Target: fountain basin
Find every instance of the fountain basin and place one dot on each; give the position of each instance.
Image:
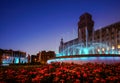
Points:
(80, 59)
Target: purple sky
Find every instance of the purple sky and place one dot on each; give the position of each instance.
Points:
(35, 25)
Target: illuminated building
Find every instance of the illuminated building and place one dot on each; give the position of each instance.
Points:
(102, 41)
(12, 57)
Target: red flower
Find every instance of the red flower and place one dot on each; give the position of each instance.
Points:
(55, 79)
(78, 76)
(62, 81)
(85, 75)
(77, 81)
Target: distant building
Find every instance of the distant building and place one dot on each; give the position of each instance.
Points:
(10, 56)
(108, 35)
(34, 59)
(44, 56)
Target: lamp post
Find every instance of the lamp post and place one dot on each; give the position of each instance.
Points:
(113, 49)
(98, 50)
(103, 50)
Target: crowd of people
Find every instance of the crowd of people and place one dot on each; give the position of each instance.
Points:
(62, 73)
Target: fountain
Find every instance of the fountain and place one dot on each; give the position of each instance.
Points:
(83, 52)
(87, 48)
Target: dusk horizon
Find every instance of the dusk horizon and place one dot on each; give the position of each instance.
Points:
(33, 26)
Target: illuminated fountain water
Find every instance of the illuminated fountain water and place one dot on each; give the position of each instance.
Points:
(87, 48)
(94, 48)
(6, 60)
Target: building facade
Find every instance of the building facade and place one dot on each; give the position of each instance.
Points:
(42, 57)
(104, 40)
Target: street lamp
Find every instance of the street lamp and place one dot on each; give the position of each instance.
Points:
(103, 49)
(113, 47)
(98, 50)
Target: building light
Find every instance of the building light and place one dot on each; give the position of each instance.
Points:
(118, 46)
(7, 57)
(35, 59)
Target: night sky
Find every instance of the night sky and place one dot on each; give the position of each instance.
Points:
(35, 25)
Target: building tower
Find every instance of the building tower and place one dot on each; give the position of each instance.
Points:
(61, 45)
(85, 21)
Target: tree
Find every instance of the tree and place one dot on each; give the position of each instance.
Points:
(1, 53)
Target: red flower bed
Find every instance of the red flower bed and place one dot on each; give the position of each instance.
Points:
(62, 73)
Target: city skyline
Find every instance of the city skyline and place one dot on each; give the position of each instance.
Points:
(33, 26)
